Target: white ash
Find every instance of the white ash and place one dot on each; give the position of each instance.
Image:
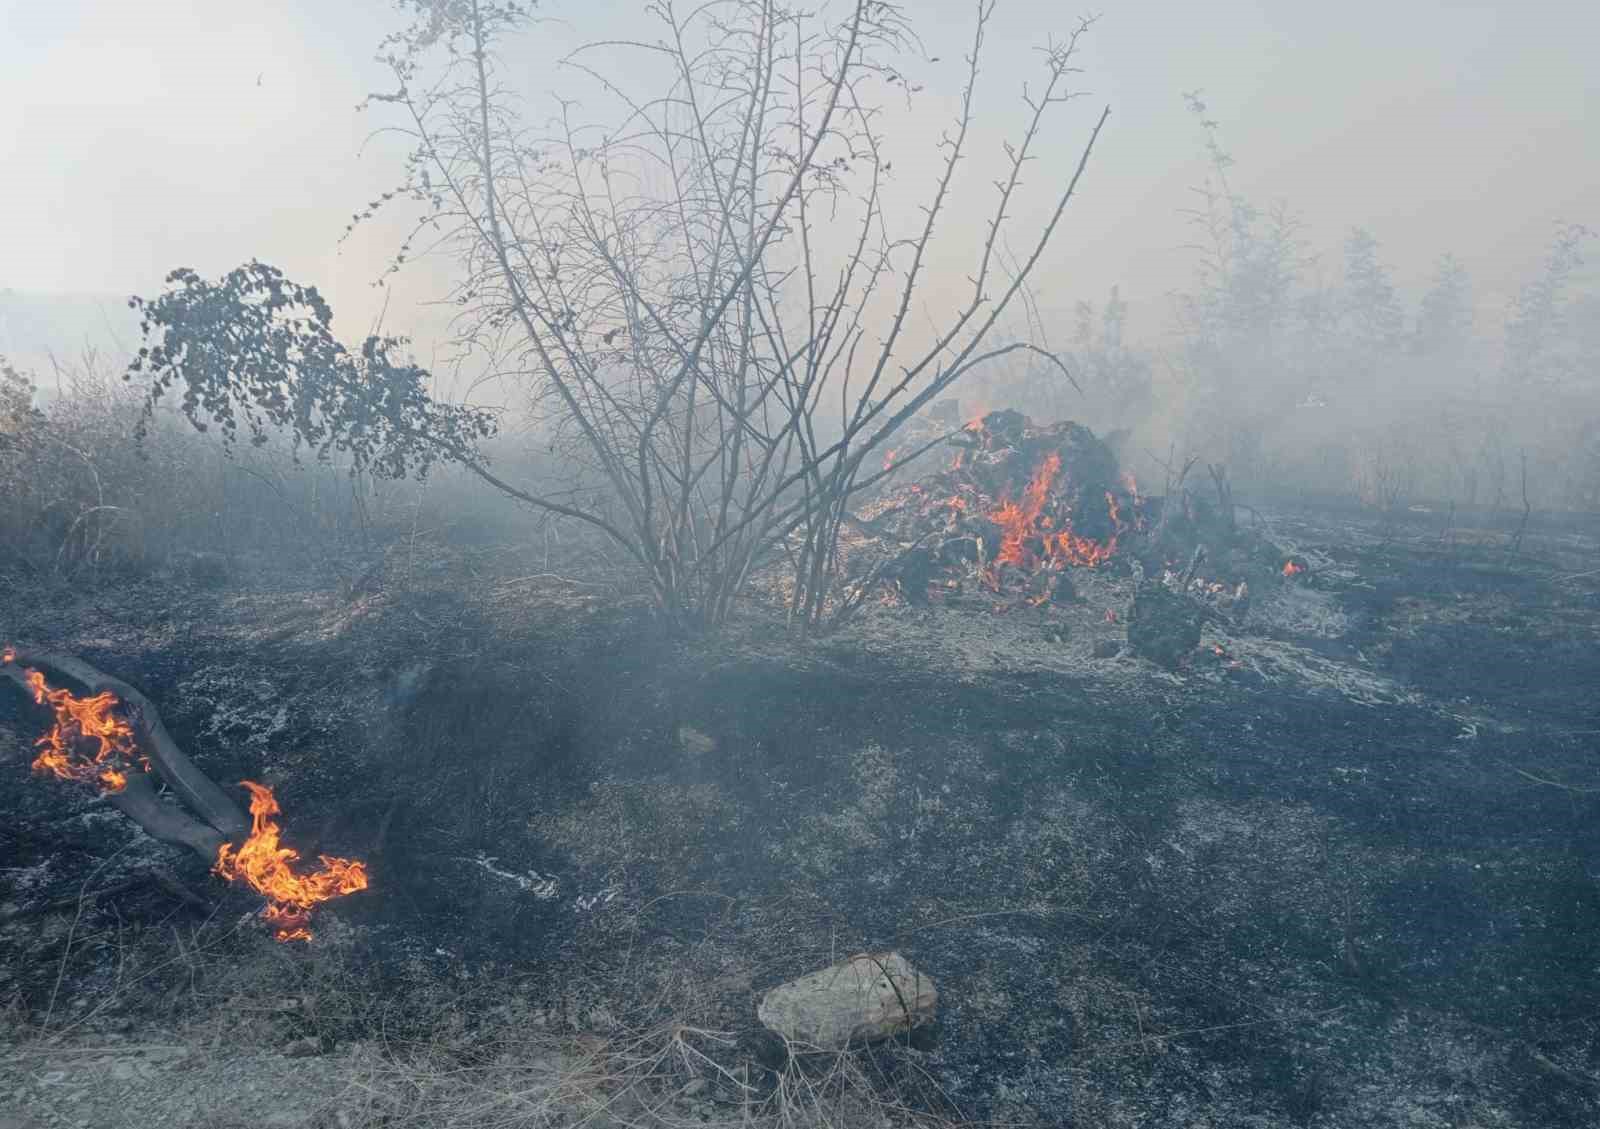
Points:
(586, 902)
(24, 879)
(532, 882)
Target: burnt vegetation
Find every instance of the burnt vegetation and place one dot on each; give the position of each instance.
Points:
(1204, 702)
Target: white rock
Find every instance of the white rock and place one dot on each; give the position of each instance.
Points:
(868, 997)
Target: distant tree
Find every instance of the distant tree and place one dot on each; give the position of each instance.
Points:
(1113, 317)
(1586, 333)
(1315, 356)
(1444, 319)
(1540, 347)
(1115, 378)
(1554, 389)
(1239, 318)
(1373, 320)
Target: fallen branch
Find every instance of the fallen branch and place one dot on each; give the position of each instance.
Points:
(167, 822)
(192, 786)
(1578, 575)
(1572, 788)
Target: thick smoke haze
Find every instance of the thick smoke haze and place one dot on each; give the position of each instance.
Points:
(693, 564)
(202, 134)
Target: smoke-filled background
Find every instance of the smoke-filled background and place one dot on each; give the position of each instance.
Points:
(1263, 782)
(1337, 247)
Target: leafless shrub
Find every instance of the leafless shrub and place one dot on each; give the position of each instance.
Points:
(72, 496)
(717, 362)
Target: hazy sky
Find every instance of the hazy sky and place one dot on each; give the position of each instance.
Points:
(143, 136)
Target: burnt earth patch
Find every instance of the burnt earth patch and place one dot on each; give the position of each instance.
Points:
(1304, 878)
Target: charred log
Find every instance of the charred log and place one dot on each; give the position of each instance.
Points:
(179, 773)
(167, 822)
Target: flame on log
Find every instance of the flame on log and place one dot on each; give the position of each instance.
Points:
(102, 738)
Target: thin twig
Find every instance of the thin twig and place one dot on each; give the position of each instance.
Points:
(83, 900)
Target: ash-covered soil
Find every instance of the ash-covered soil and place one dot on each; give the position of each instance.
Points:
(1340, 869)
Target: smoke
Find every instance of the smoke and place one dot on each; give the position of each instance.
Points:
(202, 136)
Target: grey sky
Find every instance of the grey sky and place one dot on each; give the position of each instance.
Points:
(144, 136)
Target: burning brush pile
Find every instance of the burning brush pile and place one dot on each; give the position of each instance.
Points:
(113, 739)
(1020, 506)
(1017, 506)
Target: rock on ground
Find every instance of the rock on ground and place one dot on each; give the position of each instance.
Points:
(865, 998)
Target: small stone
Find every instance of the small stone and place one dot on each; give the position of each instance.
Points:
(696, 1087)
(868, 997)
(303, 1048)
(695, 742)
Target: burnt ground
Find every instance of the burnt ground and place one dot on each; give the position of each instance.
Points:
(1344, 873)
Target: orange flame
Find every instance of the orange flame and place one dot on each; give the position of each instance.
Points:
(88, 742)
(1070, 548)
(1290, 568)
(1021, 522)
(268, 867)
(1131, 485)
(1018, 519)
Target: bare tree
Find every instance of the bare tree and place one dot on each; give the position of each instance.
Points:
(706, 298)
(1238, 319)
(695, 291)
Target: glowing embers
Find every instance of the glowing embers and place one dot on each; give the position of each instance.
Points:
(90, 742)
(269, 868)
(1292, 569)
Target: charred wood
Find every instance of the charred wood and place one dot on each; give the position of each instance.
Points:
(167, 822)
(179, 773)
